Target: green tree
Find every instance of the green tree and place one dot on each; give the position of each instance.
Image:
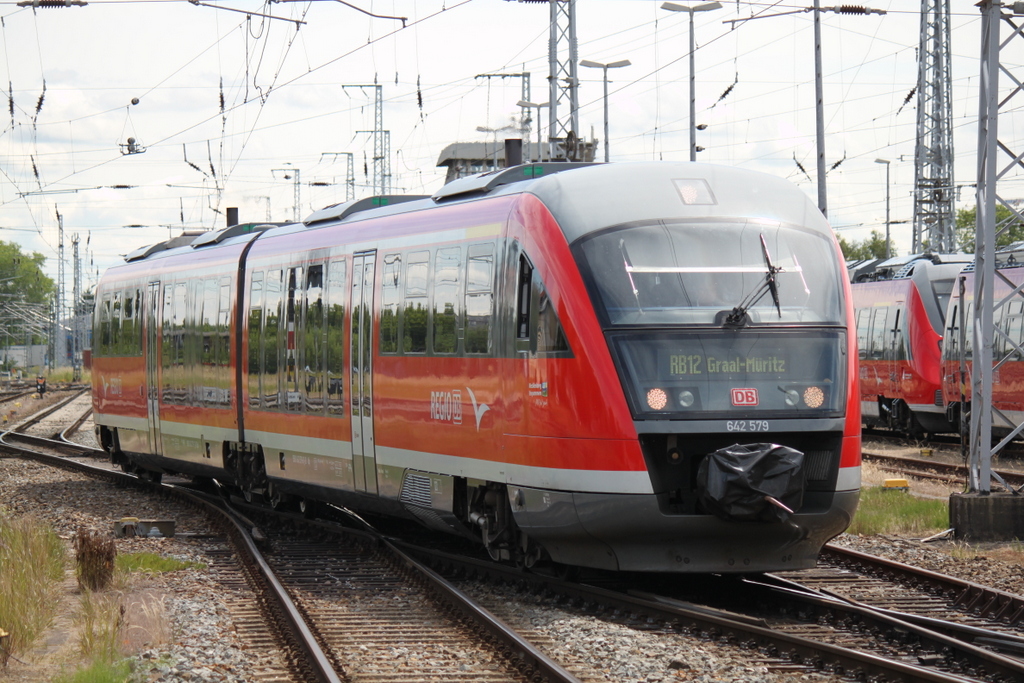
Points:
(872, 247)
(25, 296)
(21, 276)
(966, 220)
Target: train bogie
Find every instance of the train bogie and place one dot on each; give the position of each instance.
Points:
(540, 358)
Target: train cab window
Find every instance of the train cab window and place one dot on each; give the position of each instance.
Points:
(272, 338)
(292, 334)
(336, 292)
(479, 297)
(312, 372)
(537, 327)
(446, 314)
(255, 334)
(414, 316)
(523, 297)
(391, 299)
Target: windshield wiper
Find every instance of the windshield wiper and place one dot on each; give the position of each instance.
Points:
(737, 317)
(629, 273)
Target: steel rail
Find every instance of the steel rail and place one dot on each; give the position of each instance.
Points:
(318, 663)
(984, 601)
(722, 625)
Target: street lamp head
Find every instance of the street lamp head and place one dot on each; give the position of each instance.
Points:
(703, 7)
(882, 161)
(621, 62)
(524, 103)
(596, 65)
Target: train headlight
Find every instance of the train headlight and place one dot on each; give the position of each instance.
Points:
(657, 399)
(814, 397)
(685, 398)
(792, 397)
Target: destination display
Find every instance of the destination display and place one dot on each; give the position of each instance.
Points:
(737, 374)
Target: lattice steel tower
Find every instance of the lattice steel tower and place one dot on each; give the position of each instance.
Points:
(563, 83)
(934, 218)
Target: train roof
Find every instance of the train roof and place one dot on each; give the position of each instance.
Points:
(871, 270)
(583, 197)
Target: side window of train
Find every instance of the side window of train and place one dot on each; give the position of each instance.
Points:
(391, 299)
(116, 348)
(968, 338)
(479, 297)
(103, 324)
(335, 375)
(131, 342)
(414, 317)
(255, 335)
(1015, 327)
(951, 339)
(879, 336)
(446, 311)
(313, 315)
(863, 318)
(899, 346)
(293, 340)
(224, 323)
(272, 339)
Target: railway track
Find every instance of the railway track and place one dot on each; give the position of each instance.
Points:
(950, 473)
(301, 613)
(372, 621)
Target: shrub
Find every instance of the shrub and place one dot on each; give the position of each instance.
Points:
(95, 555)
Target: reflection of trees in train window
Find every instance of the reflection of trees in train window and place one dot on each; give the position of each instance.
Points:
(414, 322)
(115, 324)
(479, 297)
(335, 379)
(292, 347)
(313, 361)
(879, 333)
(863, 325)
(390, 301)
(550, 336)
(447, 267)
(272, 339)
(103, 325)
(255, 335)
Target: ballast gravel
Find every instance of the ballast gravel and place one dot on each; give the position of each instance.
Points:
(192, 634)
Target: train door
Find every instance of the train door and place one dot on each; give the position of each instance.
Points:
(364, 461)
(152, 365)
(893, 350)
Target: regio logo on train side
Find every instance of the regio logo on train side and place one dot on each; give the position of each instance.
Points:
(446, 406)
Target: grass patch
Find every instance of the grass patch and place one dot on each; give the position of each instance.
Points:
(898, 512)
(32, 562)
(99, 672)
(152, 563)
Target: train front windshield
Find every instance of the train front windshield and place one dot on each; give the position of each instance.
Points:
(688, 273)
(722, 320)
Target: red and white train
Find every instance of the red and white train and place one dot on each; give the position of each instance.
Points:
(900, 307)
(541, 358)
(1007, 342)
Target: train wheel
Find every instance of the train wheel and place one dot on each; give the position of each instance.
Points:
(307, 508)
(151, 476)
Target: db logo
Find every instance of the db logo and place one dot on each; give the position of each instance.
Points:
(744, 397)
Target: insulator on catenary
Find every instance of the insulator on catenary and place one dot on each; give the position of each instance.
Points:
(52, 3)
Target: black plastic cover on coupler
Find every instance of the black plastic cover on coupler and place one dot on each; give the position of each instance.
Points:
(758, 482)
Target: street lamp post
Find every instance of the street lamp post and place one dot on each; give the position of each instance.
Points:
(605, 67)
(886, 162)
(524, 103)
(703, 7)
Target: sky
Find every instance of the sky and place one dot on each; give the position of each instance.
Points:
(232, 109)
